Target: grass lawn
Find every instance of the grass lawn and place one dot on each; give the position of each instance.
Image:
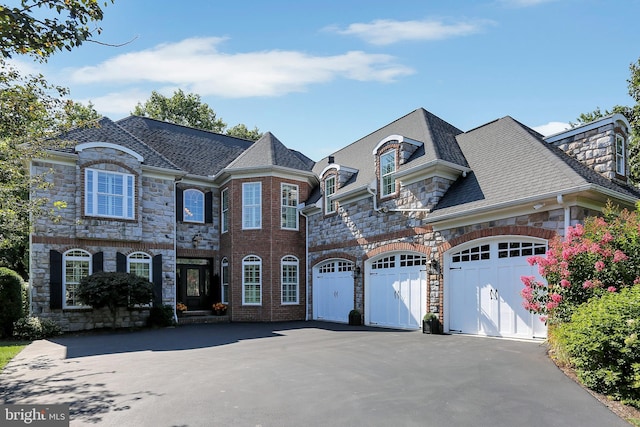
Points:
(8, 349)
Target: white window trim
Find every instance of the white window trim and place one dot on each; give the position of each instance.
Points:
(292, 261)
(391, 153)
(146, 260)
(185, 217)
(225, 264)
(66, 257)
(224, 211)
(92, 202)
(620, 139)
(329, 205)
(284, 207)
(246, 206)
(248, 260)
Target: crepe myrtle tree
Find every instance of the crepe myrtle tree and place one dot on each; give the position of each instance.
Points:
(599, 257)
(114, 290)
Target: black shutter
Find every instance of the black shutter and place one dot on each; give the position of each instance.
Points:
(157, 280)
(179, 204)
(121, 262)
(208, 207)
(55, 279)
(97, 261)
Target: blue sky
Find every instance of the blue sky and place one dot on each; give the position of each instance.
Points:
(322, 74)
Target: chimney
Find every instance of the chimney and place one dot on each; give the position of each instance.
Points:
(332, 160)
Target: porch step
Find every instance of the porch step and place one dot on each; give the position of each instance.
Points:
(201, 316)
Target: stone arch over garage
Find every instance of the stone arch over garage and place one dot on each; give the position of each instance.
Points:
(334, 255)
(397, 247)
(520, 230)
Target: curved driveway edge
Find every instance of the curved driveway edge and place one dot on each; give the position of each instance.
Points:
(298, 374)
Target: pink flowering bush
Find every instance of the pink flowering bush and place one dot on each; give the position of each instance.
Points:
(602, 256)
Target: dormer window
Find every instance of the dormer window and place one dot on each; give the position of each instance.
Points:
(387, 173)
(329, 191)
(620, 155)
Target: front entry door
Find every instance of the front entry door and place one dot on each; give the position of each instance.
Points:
(194, 284)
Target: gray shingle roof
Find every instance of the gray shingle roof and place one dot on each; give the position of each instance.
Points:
(108, 131)
(511, 162)
(269, 151)
(195, 151)
(437, 136)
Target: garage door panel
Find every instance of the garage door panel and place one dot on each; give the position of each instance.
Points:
(332, 293)
(395, 292)
(495, 280)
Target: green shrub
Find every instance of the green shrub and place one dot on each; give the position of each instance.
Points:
(10, 300)
(161, 316)
(34, 328)
(602, 343)
(25, 298)
(113, 290)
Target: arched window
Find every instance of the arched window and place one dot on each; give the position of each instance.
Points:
(193, 206)
(252, 280)
(76, 265)
(139, 263)
(290, 280)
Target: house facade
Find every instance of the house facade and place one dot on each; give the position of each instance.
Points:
(416, 217)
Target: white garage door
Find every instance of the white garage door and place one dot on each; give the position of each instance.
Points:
(333, 291)
(395, 291)
(483, 287)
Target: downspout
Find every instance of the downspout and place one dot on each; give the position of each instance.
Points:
(306, 262)
(375, 200)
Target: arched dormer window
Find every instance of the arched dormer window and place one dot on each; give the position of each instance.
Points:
(329, 191)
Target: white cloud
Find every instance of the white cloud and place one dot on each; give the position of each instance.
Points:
(552, 128)
(197, 65)
(386, 31)
(117, 103)
(524, 3)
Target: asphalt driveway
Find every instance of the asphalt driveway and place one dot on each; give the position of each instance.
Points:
(298, 374)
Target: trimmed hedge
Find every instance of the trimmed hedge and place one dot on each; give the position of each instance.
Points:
(34, 328)
(10, 300)
(602, 343)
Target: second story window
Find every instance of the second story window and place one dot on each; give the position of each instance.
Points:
(620, 155)
(289, 219)
(329, 191)
(109, 194)
(387, 172)
(193, 206)
(224, 210)
(251, 205)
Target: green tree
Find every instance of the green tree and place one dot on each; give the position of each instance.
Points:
(31, 111)
(24, 29)
(632, 113)
(241, 131)
(181, 109)
(189, 110)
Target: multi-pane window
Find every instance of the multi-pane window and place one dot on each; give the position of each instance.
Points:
(477, 253)
(289, 206)
(518, 249)
(224, 280)
(387, 172)
(139, 263)
(193, 206)
(224, 209)
(109, 194)
(251, 205)
(76, 264)
(252, 280)
(289, 280)
(329, 191)
(620, 160)
(386, 262)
